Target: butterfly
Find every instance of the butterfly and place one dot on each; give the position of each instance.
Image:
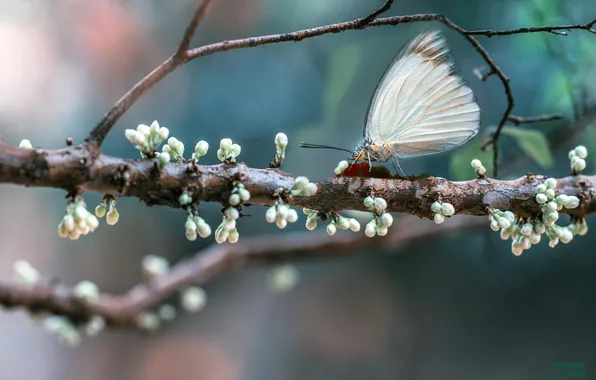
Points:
(420, 107)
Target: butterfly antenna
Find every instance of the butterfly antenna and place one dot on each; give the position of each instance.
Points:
(318, 146)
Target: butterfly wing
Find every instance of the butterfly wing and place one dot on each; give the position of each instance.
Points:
(421, 105)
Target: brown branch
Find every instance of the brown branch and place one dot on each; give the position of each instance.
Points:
(517, 120)
(99, 133)
(73, 168)
(122, 311)
(373, 16)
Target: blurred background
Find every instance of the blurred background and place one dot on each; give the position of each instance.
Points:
(455, 307)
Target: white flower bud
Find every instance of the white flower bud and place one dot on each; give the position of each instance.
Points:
(307, 211)
(234, 236)
(143, 129)
(541, 188)
(220, 155)
(509, 215)
(447, 209)
(505, 234)
(80, 213)
(300, 183)
(439, 218)
(270, 214)
(579, 165)
(86, 291)
(25, 144)
(503, 222)
(283, 278)
(342, 223)
(69, 222)
(236, 149)
(112, 216)
(282, 211)
(541, 198)
(292, 216)
(370, 229)
(517, 251)
(154, 266)
(331, 229)
(225, 144)
(539, 227)
(526, 229)
(476, 164)
(550, 183)
(310, 189)
(380, 204)
(354, 225)
(163, 133)
(551, 206)
(95, 325)
(550, 193)
(201, 148)
(435, 207)
(382, 230)
(25, 273)
(193, 299)
(281, 223)
(311, 224)
(581, 151)
(572, 202)
(100, 210)
(387, 219)
(281, 140)
(135, 137)
(191, 235)
(148, 321)
(232, 213)
(535, 238)
(185, 199)
(203, 229)
(494, 225)
(234, 199)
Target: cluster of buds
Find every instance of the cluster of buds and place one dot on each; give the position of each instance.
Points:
(303, 187)
(227, 229)
(441, 210)
(281, 214)
(107, 208)
(478, 167)
(228, 151)
(200, 150)
(77, 221)
(341, 166)
(382, 220)
(196, 225)
(524, 232)
(337, 221)
(281, 142)
(239, 194)
(500, 219)
(147, 139)
(172, 151)
(578, 158)
(551, 204)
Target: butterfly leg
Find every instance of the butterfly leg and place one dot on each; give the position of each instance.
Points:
(398, 169)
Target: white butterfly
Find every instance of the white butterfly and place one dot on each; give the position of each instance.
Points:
(420, 107)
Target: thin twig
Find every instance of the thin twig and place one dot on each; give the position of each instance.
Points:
(122, 311)
(99, 133)
(371, 17)
(517, 120)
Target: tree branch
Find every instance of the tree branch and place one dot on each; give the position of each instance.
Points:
(73, 168)
(122, 311)
(99, 133)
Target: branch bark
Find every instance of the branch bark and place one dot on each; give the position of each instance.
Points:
(122, 311)
(74, 168)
